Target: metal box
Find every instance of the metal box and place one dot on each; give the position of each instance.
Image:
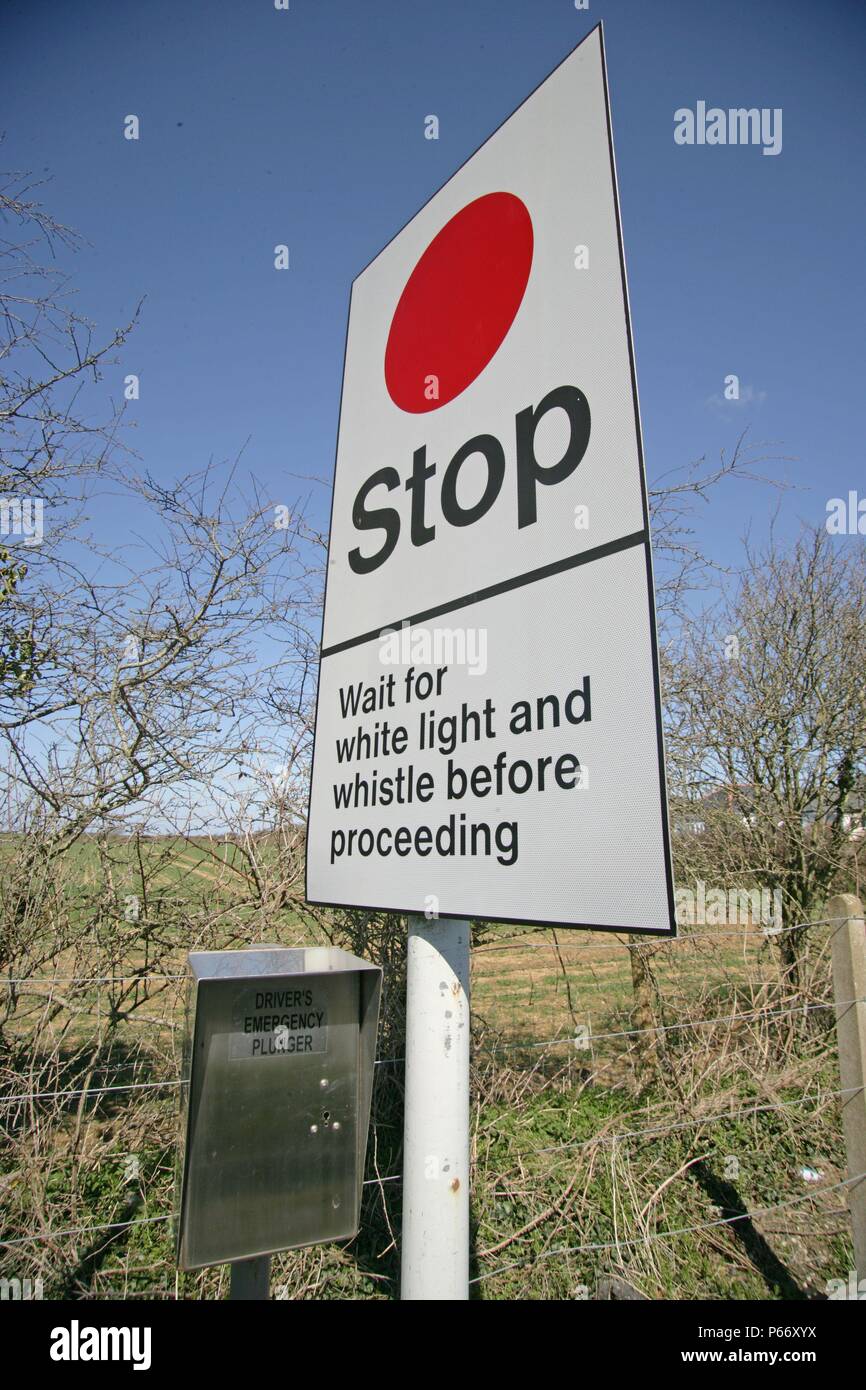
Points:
(279, 1055)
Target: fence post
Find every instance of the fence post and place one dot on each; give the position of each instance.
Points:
(849, 983)
(643, 1013)
(250, 1279)
(435, 1242)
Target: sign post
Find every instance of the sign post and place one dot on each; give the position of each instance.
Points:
(435, 1263)
(250, 1280)
(488, 731)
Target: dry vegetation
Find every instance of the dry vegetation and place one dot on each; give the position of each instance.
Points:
(604, 1117)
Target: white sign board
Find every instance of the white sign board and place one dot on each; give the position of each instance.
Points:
(488, 732)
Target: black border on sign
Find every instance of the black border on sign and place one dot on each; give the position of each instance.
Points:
(638, 538)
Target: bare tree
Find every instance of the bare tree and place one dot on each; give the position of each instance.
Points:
(162, 656)
(767, 723)
(149, 676)
(681, 564)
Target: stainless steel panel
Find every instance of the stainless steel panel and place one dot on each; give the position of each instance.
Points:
(279, 1097)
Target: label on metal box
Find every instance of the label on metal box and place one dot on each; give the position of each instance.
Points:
(275, 1021)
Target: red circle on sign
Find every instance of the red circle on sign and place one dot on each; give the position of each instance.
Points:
(459, 303)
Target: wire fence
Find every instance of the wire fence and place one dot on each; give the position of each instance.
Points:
(643, 1107)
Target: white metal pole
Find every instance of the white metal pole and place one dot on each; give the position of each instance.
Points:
(435, 1253)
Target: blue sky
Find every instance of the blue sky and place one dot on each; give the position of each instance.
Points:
(307, 127)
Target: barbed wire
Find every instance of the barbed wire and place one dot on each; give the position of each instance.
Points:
(89, 1091)
(657, 1131)
(141, 976)
(529, 1043)
(126, 1086)
(141, 1220)
(767, 932)
(651, 1236)
(611, 941)
(664, 1027)
(86, 1230)
(592, 1247)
